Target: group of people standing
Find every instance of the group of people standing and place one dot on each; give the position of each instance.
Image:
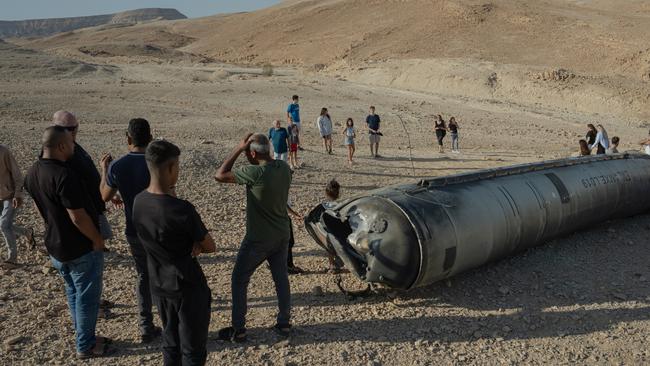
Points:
(440, 127)
(165, 234)
(286, 141)
(597, 139)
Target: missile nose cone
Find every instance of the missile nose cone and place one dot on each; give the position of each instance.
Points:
(375, 239)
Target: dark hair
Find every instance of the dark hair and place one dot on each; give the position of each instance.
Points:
(584, 148)
(332, 189)
(615, 140)
(295, 97)
(53, 136)
(139, 132)
(452, 120)
(591, 127)
(323, 112)
(372, 107)
(349, 120)
(161, 152)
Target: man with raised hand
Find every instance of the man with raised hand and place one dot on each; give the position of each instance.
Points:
(267, 184)
(72, 235)
(172, 234)
(129, 175)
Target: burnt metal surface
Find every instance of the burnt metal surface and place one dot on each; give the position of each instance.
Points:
(411, 235)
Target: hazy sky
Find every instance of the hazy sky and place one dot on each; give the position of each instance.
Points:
(36, 9)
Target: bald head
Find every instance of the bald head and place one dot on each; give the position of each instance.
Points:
(64, 119)
(57, 143)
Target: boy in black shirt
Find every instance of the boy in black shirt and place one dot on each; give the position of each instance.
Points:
(72, 235)
(172, 234)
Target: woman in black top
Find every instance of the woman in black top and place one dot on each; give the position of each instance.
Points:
(441, 131)
(591, 134)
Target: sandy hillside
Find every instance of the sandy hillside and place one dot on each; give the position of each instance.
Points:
(590, 56)
(582, 299)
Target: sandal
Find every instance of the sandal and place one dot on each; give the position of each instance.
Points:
(283, 330)
(229, 334)
(99, 350)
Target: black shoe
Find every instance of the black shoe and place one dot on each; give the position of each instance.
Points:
(300, 148)
(283, 330)
(150, 335)
(294, 270)
(229, 334)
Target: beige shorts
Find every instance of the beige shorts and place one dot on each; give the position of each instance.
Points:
(374, 139)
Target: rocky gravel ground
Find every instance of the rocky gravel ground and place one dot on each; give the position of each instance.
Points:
(582, 299)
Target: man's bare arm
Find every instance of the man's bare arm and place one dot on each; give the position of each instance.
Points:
(224, 173)
(84, 223)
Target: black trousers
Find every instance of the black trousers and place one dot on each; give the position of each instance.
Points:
(291, 243)
(142, 288)
(185, 323)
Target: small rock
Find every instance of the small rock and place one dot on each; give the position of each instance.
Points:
(317, 291)
(207, 142)
(13, 340)
(47, 269)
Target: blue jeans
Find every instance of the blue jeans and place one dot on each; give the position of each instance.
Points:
(9, 230)
(250, 256)
(83, 287)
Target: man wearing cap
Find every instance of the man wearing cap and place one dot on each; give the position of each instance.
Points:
(83, 165)
(129, 175)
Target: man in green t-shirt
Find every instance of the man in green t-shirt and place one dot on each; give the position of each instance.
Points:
(267, 229)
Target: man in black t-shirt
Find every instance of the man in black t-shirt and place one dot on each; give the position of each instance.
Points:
(373, 121)
(172, 234)
(82, 164)
(72, 235)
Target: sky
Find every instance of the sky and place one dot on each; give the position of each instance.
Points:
(38, 9)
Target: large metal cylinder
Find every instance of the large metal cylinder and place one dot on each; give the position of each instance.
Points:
(412, 235)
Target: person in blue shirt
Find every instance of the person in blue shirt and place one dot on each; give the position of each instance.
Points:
(279, 137)
(373, 121)
(129, 175)
(293, 114)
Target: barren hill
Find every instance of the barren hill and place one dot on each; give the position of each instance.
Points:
(590, 56)
(44, 27)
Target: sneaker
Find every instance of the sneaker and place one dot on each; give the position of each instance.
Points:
(283, 330)
(295, 270)
(229, 334)
(150, 335)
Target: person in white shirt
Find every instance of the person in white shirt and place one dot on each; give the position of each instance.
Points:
(324, 124)
(602, 141)
(646, 144)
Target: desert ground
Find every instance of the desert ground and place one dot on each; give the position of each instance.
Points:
(581, 299)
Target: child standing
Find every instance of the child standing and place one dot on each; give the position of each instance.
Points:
(294, 142)
(350, 135)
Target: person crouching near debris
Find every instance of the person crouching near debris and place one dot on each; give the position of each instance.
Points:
(72, 236)
(173, 235)
(332, 193)
(646, 144)
(583, 149)
(613, 147)
(267, 184)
